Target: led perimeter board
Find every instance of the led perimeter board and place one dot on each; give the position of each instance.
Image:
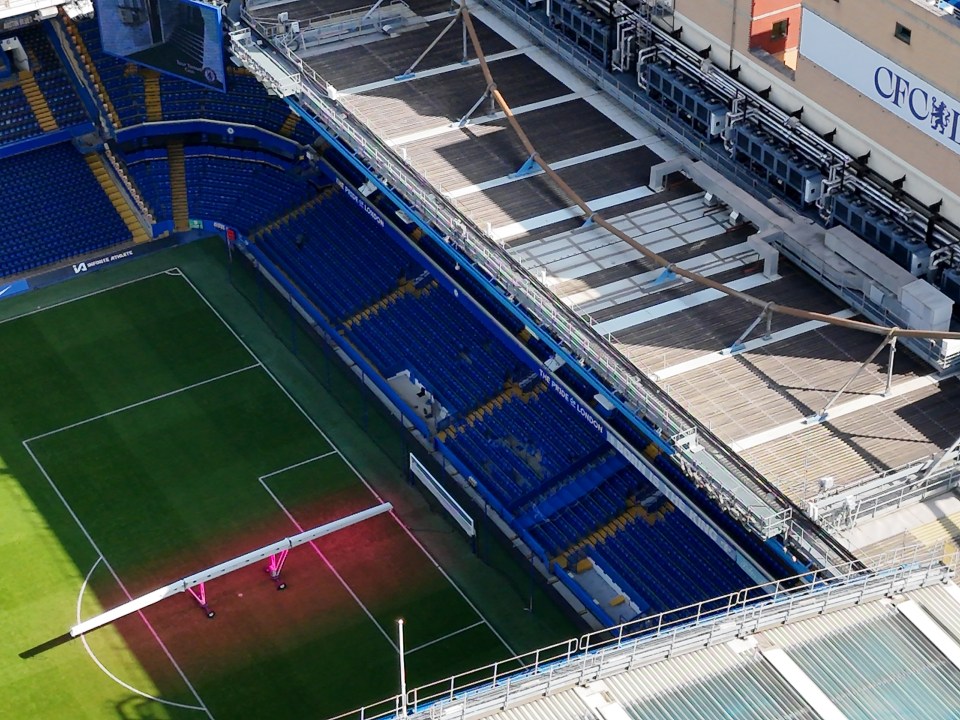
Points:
(178, 37)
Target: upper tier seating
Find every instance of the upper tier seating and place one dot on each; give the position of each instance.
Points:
(246, 100)
(151, 173)
(338, 255)
(123, 84)
(329, 248)
(670, 562)
(17, 121)
(441, 343)
(252, 187)
(527, 445)
(39, 226)
(531, 450)
(52, 78)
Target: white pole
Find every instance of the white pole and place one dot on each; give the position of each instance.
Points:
(403, 671)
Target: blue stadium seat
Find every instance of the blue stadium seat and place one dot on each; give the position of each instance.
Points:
(39, 228)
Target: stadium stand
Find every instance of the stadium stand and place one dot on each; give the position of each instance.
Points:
(17, 121)
(527, 447)
(42, 98)
(150, 170)
(41, 231)
(121, 87)
(325, 244)
(252, 187)
(52, 80)
(443, 346)
(141, 95)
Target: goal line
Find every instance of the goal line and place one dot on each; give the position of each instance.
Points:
(276, 553)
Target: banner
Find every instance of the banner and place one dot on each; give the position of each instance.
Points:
(892, 87)
(179, 37)
(13, 288)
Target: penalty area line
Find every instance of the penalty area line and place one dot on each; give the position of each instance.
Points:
(360, 477)
(44, 308)
(161, 396)
(296, 465)
(329, 565)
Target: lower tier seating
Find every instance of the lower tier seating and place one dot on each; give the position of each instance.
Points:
(39, 227)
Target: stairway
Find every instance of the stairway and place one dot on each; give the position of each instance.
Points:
(510, 391)
(117, 198)
(381, 304)
(296, 212)
(151, 95)
(88, 65)
(38, 103)
(178, 186)
(616, 524)
(289, 124)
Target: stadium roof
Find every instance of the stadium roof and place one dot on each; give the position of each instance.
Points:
(868, 662)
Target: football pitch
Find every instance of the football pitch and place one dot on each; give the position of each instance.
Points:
(142, 440)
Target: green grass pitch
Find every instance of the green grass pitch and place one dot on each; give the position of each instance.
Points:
(141, 441)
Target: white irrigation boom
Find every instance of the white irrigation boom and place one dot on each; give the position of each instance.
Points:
(276, 553)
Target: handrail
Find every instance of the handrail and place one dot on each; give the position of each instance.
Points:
(273, 28)
(601, 653)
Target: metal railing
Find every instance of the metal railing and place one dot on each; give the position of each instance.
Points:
(843, 507)
(145, 217)
(599, 654)
(330, 26)
(460, 231)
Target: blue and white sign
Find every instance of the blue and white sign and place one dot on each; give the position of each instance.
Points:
(875, 76)
(9, 289)
(570, 400)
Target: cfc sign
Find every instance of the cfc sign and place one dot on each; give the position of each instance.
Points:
(873, 75)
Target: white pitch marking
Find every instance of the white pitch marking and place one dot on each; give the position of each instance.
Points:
(144, 402)
(296, 465)
(96, 660)
(330, 566)
(445, 637)
(87, 295)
